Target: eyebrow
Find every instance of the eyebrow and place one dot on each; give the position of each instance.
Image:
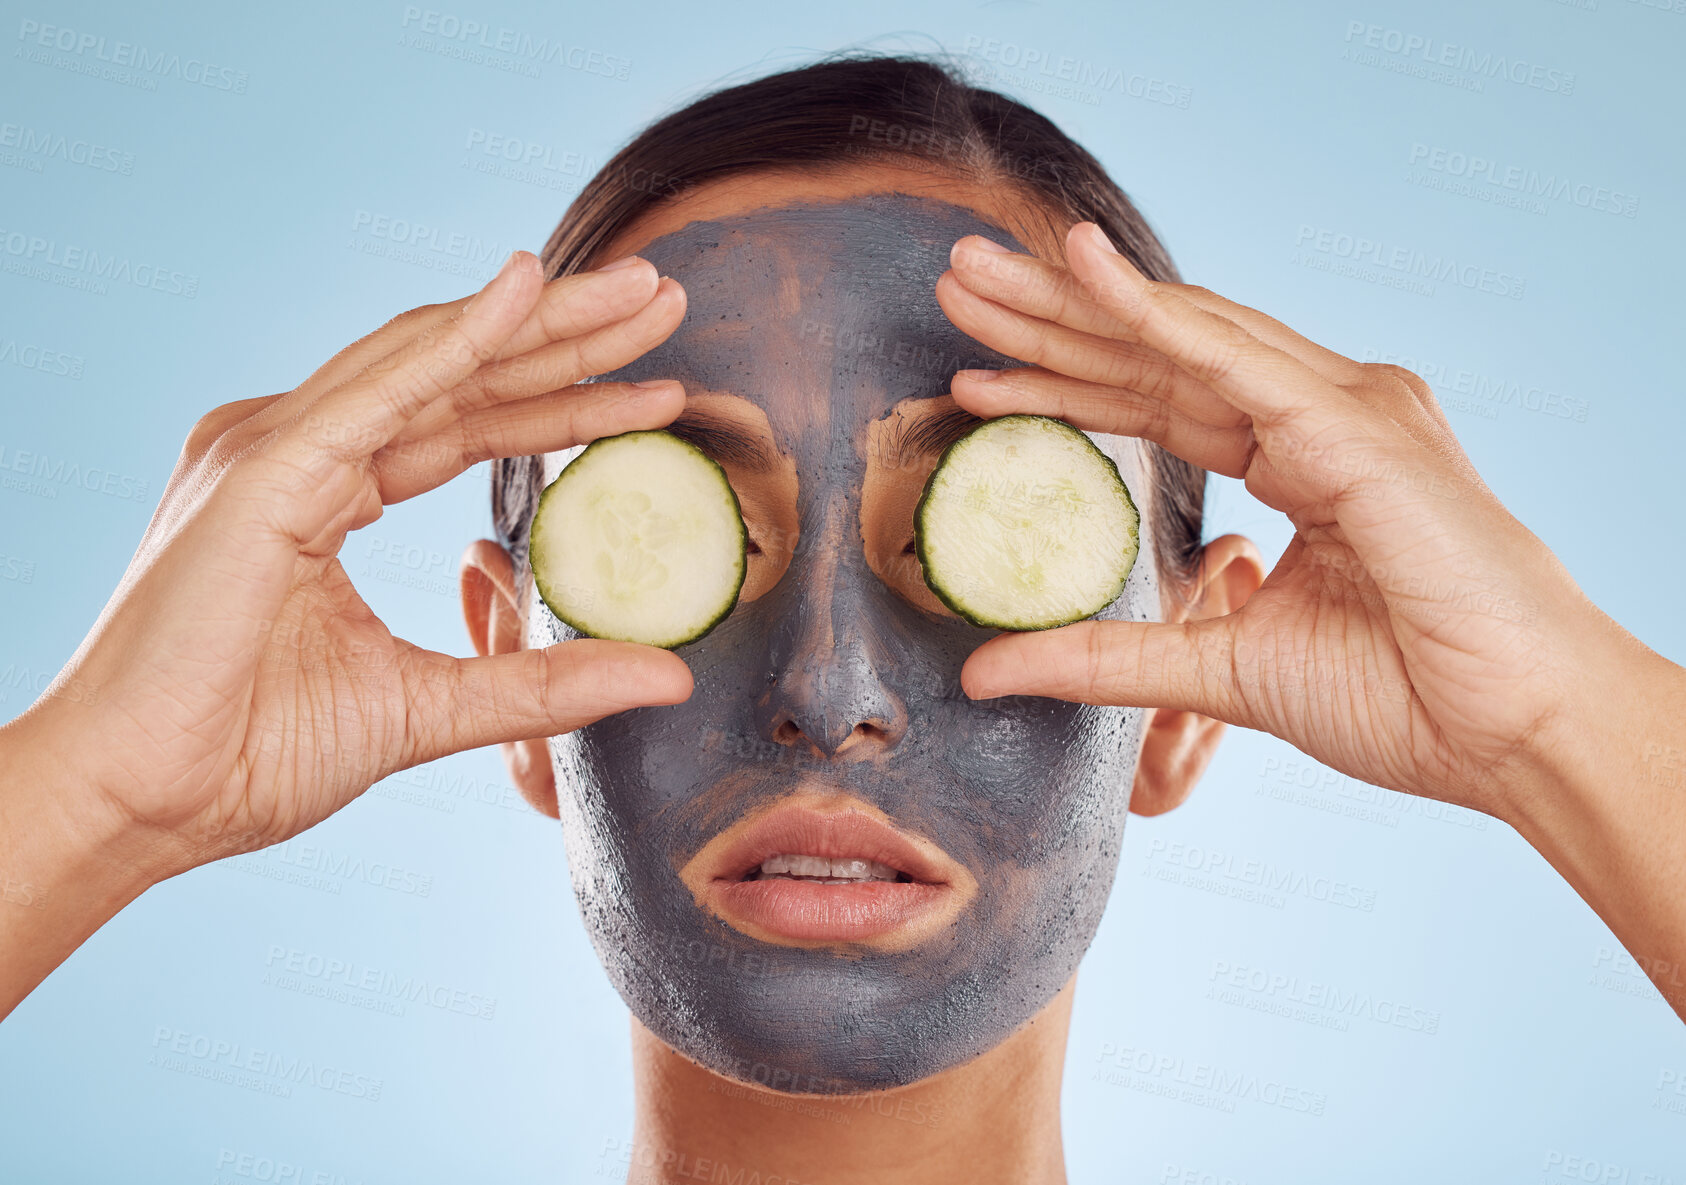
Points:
(910, 440)
(725, 441)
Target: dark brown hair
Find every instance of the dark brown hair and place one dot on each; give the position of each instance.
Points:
(847, 109)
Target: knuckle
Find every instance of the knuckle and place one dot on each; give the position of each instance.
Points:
(1391, 375)
(214, 426)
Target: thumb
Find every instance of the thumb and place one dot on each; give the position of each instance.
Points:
(1189, 666)
(464, 703)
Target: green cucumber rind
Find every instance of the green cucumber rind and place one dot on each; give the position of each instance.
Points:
(1017, 627)
(743, 542)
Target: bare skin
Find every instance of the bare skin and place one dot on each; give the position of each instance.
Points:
(1501, 687)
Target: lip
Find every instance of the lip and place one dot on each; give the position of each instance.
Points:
(881, 915)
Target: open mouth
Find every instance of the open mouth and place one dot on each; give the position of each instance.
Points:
(821, 868)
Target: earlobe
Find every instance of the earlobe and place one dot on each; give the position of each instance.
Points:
(1177, 745)
(496, 625)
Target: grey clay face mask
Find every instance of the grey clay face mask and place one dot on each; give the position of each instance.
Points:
(824, 316)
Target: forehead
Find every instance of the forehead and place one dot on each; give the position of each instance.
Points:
(819, 307)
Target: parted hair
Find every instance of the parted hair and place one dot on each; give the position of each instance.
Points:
(911, 110)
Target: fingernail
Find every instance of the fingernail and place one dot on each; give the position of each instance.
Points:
(1098, 237)
(978, 376)
(629, 261)
(981, 243)
(650, 383)
(516, 259)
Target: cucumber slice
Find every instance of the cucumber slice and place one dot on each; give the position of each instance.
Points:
(1026, 525)
(640, 539)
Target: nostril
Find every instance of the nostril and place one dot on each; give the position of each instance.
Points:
(870, 733)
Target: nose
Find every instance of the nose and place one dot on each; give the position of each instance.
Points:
(828, 691)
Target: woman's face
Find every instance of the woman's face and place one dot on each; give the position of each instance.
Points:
(827, 720)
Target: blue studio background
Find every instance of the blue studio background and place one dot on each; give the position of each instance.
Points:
(302, 173)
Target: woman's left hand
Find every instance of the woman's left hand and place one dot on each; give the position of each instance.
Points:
(1414, 635)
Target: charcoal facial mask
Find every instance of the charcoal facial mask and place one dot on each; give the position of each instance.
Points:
(823, 315)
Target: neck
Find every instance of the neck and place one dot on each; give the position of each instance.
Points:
(995, 1118)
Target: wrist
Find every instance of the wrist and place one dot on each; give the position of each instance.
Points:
(1603, 796)
(68, 862)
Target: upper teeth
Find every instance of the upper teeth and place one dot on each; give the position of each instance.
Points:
(823, 868)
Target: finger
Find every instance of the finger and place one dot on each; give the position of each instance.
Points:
(1185, 666)
(463, 703)
(577, 304)
(1094, 407)
(1049, 292)
(1032, 285)
(1406, 401)
(568, 306)
(1045, 290)
(559, 364)
(542, 424)
(1317, 444)
(1081, 355)
(1335, 367)
(1271, 386)
(1402, 395)
(363, 413)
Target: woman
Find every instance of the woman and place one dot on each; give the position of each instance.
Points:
(820, 277)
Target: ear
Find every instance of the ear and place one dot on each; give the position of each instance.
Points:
(497, 625)
(1178, 745)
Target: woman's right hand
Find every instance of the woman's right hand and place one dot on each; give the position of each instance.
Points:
(236, 690)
